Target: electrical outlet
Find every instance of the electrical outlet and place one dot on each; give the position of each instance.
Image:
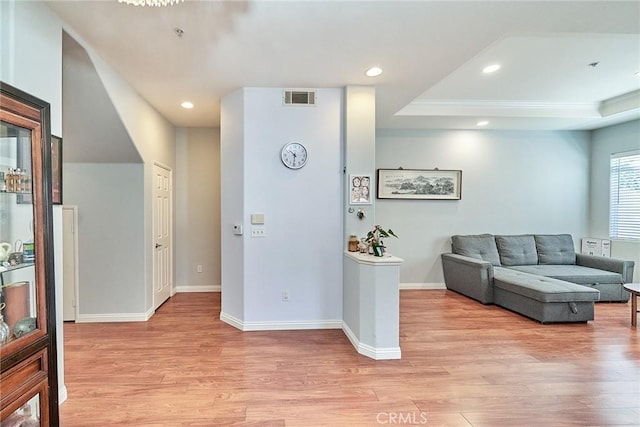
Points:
(285, 296)
(199, 268)
(258, 231)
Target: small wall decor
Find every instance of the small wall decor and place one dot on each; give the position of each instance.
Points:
(360, 189)
(56, 169)
(419, 184)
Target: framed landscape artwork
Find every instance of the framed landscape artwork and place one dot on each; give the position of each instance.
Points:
(419, 184)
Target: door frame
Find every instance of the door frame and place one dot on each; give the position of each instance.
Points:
(171, 236)
(76, 290)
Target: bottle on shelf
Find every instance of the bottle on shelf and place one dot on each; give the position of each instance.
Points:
(13, 180)
(24, 180)
(27, 182)
(5, 331)
(9, 180)
(19, 181)
(3, 183)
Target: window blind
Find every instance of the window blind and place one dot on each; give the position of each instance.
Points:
(624, 202)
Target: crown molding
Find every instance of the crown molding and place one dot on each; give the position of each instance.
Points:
(626, 102)
(502, 108)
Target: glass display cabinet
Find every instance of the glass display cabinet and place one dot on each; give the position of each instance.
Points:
(28, 373)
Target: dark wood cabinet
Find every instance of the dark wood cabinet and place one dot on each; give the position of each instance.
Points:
(28, 368)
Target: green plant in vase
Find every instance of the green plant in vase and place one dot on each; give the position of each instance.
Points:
(375, 236)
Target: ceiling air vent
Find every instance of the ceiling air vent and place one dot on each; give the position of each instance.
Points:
(299, 97)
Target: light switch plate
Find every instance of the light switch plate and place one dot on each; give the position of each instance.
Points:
(257, 219)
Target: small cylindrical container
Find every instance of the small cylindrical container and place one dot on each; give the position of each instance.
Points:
(353, 243)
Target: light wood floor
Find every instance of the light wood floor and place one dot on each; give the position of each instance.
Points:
(463, 364)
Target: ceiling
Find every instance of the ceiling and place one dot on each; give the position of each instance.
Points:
(432, 54)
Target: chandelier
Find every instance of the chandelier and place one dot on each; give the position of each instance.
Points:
(156, 3)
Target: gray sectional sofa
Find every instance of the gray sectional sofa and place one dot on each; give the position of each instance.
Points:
(537, 275)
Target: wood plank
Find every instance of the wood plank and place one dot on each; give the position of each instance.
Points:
(464, 364)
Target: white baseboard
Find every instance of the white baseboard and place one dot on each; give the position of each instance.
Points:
(230, 320)
(423, 286)
(195, 288)
(115, 317)
(62, 394)
(280, 325)
(218, 288)
(350, 335)
(376, 353)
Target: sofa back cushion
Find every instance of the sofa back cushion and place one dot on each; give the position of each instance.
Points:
(481, 246)
(555, 249)
(517, 250)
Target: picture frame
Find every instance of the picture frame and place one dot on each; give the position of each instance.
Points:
(419, 184)
(360, 189)
(56, 171)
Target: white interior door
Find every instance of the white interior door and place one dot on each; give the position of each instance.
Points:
(162, 231)
(69, 262)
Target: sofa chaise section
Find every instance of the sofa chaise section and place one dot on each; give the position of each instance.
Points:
(542, 298)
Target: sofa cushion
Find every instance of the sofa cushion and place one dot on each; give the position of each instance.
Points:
(481, 246)
(572, 273)
(555, 249)
(544, 289)
(517, 250)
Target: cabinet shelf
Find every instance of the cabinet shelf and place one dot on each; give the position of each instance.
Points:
(16, 267)
(4, 270)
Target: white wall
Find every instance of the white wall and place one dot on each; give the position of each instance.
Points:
(302, 253)
(93, 131)
(97, 150)
(232, 205)
(607, 141)
(512, 183)
(197, 209)
(154, 138)
(360, 154)
(30, 37)
(110, 239)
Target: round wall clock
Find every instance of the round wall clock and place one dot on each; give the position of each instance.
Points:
(294, 155)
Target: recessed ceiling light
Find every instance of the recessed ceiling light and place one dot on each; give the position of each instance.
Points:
(374, 71)
(491, 68)
(482, 123)
(186, 104)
